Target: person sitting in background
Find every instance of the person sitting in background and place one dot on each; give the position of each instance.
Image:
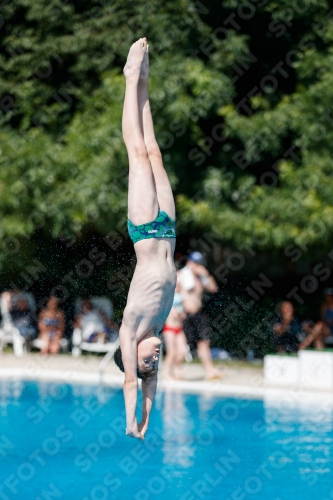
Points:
(174, 338)
(323, 329)
(287, 330)
(23, 319)
(51, 325)
(94, 324)
(20, 315)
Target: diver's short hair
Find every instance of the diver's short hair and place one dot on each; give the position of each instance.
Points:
(119, 362)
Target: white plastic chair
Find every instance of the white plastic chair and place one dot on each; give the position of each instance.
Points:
(79, 344)
(38, 344)
(9, 334)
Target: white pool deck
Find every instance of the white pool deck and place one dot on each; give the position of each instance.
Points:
(241, 380)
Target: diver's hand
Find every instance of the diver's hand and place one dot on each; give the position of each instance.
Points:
(135, 433)
(142, 427)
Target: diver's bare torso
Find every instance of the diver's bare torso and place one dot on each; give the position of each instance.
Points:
(152, 288)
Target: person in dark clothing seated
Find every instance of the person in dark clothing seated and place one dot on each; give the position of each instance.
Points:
(288, 329)
(322, 331)
(22, 318)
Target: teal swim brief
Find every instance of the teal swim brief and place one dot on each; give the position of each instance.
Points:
(162, 227)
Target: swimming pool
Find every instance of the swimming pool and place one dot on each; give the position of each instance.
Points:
(63, 441)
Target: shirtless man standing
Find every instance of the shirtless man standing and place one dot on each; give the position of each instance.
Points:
(193, 279)
(151, 225)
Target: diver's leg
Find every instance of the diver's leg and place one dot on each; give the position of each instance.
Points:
(142, 199)
(163, 188)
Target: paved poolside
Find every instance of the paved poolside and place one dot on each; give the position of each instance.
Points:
(241, 379)
(86, 369)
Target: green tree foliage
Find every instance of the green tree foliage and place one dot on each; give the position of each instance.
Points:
(62, 91)
(280, 137)
(254, 168)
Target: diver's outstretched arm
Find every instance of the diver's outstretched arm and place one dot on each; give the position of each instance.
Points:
(149, 386)
(129, 356)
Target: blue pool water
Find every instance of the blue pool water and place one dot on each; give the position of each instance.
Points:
(62, 441)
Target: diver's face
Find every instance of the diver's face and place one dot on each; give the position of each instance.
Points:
(148, 354)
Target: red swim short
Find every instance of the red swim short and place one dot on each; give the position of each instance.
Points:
(172, 329)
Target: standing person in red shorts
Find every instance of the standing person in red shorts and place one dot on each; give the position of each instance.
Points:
(174, 338)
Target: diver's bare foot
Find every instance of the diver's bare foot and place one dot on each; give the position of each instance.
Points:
(134, 59)
(144, 70)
